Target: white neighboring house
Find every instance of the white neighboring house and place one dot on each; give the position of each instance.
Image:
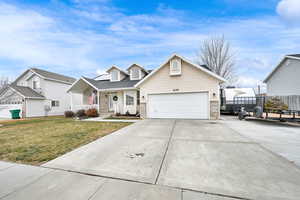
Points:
(284, 80)
(37, 93)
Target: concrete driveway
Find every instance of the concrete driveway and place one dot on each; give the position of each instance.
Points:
(190, 155)
(281, 139)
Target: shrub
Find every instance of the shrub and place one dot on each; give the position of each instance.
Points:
(80, 113)
(69, 114)
(118, 114)
(92, 112)
(276, 104)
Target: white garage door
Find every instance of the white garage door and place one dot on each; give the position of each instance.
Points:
(5, 110)
(183, 105)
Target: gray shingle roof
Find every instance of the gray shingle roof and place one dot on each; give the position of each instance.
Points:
(27, 92)
(55, 76)
(107, 84)
(295, 55)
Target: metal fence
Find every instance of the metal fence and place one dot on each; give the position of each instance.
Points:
(249, 103)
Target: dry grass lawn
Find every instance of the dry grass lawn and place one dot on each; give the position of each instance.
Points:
(39, 140)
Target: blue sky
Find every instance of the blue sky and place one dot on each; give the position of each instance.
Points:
(85, 37)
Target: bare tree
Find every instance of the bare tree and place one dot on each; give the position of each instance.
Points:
(4, 81)
(217, 55)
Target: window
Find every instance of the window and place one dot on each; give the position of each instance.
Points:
(36, 83)
(175, 66)
(114, 75)
(55, 103)
(135, 74)
(129, 100)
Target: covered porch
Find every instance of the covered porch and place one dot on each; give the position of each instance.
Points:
(107, 102)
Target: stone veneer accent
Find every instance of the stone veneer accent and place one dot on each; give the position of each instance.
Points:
(214, 110)
(143, 111)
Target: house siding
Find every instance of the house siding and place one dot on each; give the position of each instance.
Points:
(55, 91)
(190, 80)
(285, 80)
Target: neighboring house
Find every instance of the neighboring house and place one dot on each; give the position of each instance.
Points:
(177, 89)
(37, 93)
(284, 79)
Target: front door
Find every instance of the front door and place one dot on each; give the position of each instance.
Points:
(110, 102)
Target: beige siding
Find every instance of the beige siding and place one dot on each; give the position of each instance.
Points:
(190, 80)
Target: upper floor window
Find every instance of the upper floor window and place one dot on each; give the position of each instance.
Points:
(114, 75)
(175, 66)
(135, 74)
(36, 83)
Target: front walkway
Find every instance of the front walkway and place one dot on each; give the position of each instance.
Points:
(101, 119)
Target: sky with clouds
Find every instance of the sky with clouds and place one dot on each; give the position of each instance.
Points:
(85, 37)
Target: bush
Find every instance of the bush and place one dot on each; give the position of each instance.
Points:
(275, 104)
(80, 113)
(92, 112)
(69, 114)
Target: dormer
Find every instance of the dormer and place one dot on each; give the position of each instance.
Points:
(116, 74)
(137, 72)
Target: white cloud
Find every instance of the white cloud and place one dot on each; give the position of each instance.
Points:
(247, 81)
(289, 10)
(87, 38)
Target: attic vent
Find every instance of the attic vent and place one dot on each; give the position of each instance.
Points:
(175, 67)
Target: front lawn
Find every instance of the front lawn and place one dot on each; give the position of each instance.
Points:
(39, 140)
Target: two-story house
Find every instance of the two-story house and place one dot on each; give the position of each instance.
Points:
(37, 93)
(284, 79)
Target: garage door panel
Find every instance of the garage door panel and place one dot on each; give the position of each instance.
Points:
(5, 109)
(183, 105)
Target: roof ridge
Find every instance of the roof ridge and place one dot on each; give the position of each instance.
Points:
(39, 70)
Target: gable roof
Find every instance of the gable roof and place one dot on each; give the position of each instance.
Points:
(102, 85)
(106, 84)
(53, 76)
(25, 92)
(137, 65)
(48, 75)
(203, 69)
(293, 56)
(115, 67)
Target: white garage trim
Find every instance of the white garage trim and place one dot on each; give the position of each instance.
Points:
(182, 105)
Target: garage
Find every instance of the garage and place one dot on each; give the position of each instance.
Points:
(179, 105)
(5, 110)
